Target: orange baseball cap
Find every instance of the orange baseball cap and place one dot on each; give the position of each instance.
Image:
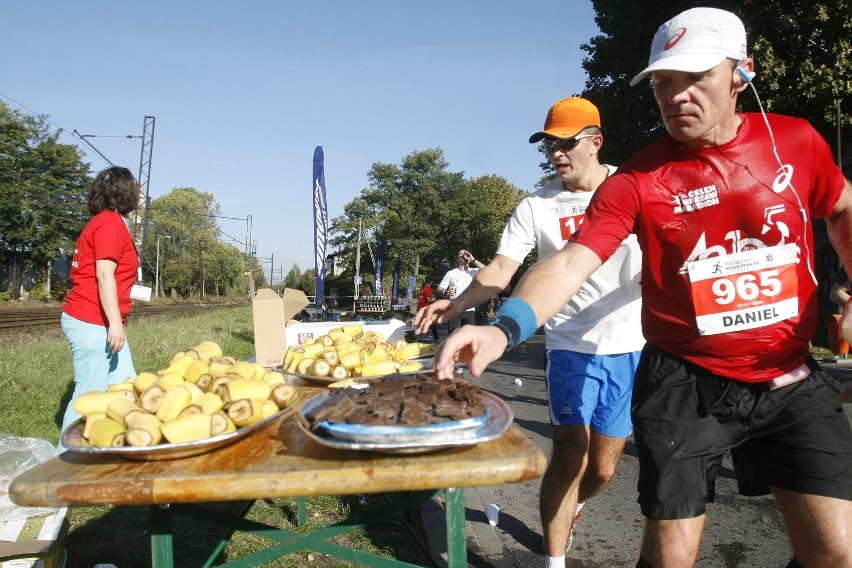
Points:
(567, 118)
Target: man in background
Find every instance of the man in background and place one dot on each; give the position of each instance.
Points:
(455, 282)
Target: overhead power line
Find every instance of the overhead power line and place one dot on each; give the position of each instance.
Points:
(32, 112)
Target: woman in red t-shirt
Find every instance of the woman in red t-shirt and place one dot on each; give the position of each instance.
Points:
(103, 269)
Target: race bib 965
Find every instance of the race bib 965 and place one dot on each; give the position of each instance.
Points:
(745, 290)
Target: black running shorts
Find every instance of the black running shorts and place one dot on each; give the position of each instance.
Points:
(796, 437)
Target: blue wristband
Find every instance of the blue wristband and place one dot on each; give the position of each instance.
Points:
(517, 320)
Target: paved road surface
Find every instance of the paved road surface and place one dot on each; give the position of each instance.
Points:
(741, 532)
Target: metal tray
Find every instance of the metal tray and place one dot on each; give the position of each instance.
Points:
(359, 433)
(73, 439)
(498, 419)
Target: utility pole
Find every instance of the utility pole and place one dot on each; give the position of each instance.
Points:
(357, 267)
(200, 273)
(141, 225)
(248, 240)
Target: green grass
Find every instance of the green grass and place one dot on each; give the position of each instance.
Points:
(35, 381)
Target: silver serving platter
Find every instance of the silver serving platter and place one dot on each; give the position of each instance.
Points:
(498, 419)
(453, 430)
(73, 439)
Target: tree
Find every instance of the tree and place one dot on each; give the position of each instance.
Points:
(185, 219)
(405, 205)
(488, 202)
(294, 278)
(43, 189)
(425, 213)
(307, 282)
(803, 59)
(224, 269)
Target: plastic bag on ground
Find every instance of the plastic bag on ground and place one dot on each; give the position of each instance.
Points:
(17, 455)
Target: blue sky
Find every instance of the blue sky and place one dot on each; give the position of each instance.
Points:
(243, 92)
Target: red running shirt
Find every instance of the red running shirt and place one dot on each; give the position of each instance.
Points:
(105, 236)
(425, 294)
(727, 259)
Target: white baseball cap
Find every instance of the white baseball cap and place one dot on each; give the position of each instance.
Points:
(694, 41)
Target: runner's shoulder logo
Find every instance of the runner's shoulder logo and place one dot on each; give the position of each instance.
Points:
(696, 199)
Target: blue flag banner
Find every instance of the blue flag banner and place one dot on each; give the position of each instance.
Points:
(320, 225)
(409, 291)
(395, 285)
(380, 269)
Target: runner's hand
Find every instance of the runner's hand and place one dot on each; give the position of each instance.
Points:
(475, 345)
(440, 311)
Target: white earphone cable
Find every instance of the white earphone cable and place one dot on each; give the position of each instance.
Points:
(802, 211)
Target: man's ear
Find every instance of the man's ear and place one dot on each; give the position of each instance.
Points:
(743, 74)
(597, 142)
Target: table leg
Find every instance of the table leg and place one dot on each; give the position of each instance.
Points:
(162, 551)
(301, 510)
(456, 539)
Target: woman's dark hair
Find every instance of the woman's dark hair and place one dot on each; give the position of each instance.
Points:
(116, 189)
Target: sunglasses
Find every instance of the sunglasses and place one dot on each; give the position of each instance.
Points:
(564, 144)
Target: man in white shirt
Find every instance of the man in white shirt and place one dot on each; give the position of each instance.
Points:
(593, 343)
(455, 282)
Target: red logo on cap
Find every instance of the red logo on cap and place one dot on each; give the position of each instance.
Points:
(674, 39)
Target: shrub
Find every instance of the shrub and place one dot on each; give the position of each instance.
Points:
(39, 294)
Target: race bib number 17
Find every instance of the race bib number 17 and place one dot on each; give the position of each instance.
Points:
(745, 290)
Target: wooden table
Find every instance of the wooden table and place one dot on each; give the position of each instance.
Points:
(281, 461)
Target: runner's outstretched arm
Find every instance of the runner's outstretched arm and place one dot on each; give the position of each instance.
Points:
(545, 288)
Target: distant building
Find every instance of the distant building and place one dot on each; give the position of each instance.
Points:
(335, 264)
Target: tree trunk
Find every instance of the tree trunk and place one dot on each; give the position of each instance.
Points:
(14, 277)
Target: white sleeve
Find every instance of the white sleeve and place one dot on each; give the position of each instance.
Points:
(519, 236)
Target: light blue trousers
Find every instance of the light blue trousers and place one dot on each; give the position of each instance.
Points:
(95, 367)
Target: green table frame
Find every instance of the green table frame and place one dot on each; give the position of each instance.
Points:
(288, 541)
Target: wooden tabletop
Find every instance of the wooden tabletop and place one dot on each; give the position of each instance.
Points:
(278, 460)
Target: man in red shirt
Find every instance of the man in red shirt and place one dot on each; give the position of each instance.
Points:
(721, 207)
(425, 299)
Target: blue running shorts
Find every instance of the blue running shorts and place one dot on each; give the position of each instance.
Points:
(594, 390)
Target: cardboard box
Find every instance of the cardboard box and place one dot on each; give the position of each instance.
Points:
(37, 542)
(270, 313)
(297, 333)
(275, 330)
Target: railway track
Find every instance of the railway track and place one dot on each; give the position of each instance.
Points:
(13, 320)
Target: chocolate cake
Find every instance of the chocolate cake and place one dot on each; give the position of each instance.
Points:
(400, 400)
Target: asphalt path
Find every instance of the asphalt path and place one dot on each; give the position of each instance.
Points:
(740, 531)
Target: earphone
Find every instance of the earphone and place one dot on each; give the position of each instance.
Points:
(746, 75)
(784, 170)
